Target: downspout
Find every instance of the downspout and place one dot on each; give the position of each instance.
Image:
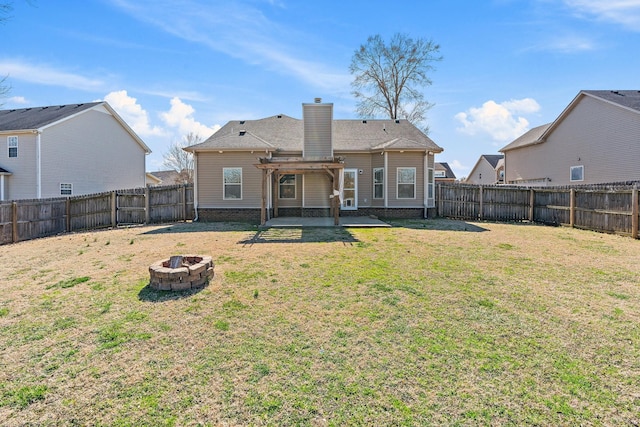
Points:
(38, 165)
(386, 180)
(426, 182)
(195, 187)
(2, 188)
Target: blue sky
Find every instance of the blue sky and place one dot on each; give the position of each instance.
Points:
(170, 67)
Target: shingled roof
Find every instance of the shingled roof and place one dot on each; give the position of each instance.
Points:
(625, 98)
(38, 117)
(285, 133)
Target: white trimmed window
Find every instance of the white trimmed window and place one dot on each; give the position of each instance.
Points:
(577, 173)
(430, 183)
(287, 187)
(12, 145)
(232, 178)
(440, 174)
(378, 183)
(406, 183)
(66, 189)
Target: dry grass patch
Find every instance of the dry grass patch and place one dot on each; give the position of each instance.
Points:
(429, 322)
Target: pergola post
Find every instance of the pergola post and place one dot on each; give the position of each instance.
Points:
(263, 208)
(336, 199)
(276, 186)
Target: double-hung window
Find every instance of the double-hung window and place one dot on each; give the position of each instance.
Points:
(66, 189)
(287, 187)
(12, 145)
(378, 183)
(232, 178)
(406, 183)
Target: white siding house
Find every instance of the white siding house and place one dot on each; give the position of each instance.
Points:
(68, 150)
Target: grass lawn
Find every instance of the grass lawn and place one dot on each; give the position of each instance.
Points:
(431, 322)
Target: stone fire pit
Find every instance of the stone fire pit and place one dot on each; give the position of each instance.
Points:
(181, 272)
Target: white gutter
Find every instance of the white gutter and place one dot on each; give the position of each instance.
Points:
(426, 181)
(386, 180)
(2, 188)
(195, 186)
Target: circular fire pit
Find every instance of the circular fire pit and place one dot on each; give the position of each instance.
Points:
(181, 272)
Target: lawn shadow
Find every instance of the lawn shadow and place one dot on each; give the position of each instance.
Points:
(149, 294)
(439, 224)
(199, 227)
(300, 235)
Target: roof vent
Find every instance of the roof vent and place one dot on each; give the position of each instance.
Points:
(397, 120)
(279, 116)
(241, 122)
(364, 121)
(242, 132)
(317, 100)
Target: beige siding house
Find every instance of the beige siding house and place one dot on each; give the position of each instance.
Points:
(68, 150)
(488, 170)
(443, 172)
(595, 140)
(317, 166)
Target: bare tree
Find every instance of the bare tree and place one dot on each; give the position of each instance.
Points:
(389, 78)
(5, 9)
(181, 161)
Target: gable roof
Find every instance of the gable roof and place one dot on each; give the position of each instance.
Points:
(285, 133)
(445, 167)
(38, 118)
(493, 159)
(627, 99)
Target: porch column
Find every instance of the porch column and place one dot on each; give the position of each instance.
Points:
(263, 208)
(336, 199)
(276, 184)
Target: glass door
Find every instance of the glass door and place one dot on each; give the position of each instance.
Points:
(349, 191)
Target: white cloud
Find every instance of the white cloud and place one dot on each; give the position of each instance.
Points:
(46, 75)
(242, 31)
(180, 117)
(17, 100)
(625, 12)
(132, 113)
(501, 121)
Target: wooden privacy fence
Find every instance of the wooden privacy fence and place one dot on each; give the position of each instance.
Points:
(29, 219)
(604, 208)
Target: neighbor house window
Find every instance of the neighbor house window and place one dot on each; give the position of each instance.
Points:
(406, 183)
(440, 174)
(232, 183)
(378, 183)
(12, 144)
(577, 173)
(66, 189)
(287, 187)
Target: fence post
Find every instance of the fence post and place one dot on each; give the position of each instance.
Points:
(114, 209)
(532, 201)
(14, 220)
(572, 208)
(68, 206)
(147, 205)
(634, 212)
(183, 194)
(439, 204)
(481, 197)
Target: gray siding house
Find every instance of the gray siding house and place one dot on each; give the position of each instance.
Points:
(488, 170)
(317, 166)
(66, 150)
(595, 140)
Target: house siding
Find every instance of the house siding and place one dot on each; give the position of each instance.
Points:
(317, 189)
(405, 160)
(318, 126)
(602, 137)
(22, 183)
(361, 162)
(210, 179)
(93, 152)
(482, 174)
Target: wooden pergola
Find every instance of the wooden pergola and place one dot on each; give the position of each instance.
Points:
(300, 165)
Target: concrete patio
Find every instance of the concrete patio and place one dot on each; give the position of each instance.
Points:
(348, 221)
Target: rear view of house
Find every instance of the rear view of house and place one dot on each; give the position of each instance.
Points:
(66, 150)
(317, 166)
(595, 140)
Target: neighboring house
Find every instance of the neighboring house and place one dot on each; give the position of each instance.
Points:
(316, 166)
(488, 170)
(596, 139)
(68, 150)
(443, 173)
(170, 177)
